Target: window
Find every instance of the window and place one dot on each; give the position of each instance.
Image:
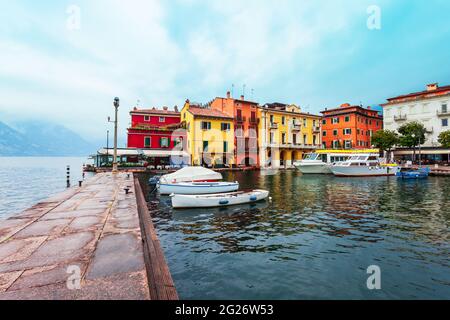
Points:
(347, 119)
(305, 123)
(147, 118)
(358, 131)
(324, 133)
(164, 142)
(294, 138)
(445, 122)
(347, 131)
(335, 144)
(225, 126)
(335, 132)
(162, 119)
(205, 146)
(225, 147)
(177, 141)
(272, 136)
(239, 114)
(253, 116)
(314, 140)
(147, 142)
(335, 120)
(283, 138)
(348, 144)
(206, 125)
(444, 108)
(283, 119)
(271, 118)
(324, 121)
(305, 139)
(314, 123)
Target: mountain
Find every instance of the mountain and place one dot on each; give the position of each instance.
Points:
(37, 138)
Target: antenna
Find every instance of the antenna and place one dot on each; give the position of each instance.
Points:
(138, 103)
(253, 91)
(232, 90)
(243, 90)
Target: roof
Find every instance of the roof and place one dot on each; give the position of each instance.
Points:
(208, 113)
(238, 100)
(156, 111)
(347, 107)
(282, 107)
(426, 94)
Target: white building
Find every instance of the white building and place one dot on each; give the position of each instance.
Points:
(430, 107)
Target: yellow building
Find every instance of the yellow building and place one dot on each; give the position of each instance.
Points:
(210, 136)
(285, 134)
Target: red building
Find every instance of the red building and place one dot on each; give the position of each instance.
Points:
(153, 129)
(244, 113)
(350, 127)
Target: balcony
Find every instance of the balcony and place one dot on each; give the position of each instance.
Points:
(401, 117)
(296, 126)
(316, 129)
(429, 130)
(273, 126)
(443, 113)
(241, 119)
(253, 121)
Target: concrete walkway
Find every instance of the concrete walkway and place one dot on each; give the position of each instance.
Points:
(84, 243)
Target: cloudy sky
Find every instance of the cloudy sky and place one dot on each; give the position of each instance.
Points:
(66, 60)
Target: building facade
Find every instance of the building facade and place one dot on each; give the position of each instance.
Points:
(285, 134)
(210, 136)
(430, 107)
(350, 127)
(244, 114)
(159, 130)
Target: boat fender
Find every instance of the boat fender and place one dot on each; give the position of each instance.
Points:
(223, 202)
(253, 198)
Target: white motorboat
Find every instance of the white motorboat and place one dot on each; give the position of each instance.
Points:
(364, 166)
(218, 200)
(197, 187)
(191, 174)
(320, 161)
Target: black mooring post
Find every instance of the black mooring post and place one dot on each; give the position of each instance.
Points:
(68, 177)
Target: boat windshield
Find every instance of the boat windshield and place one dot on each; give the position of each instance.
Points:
(311, 156)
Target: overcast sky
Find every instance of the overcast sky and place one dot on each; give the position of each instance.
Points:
(66, 61)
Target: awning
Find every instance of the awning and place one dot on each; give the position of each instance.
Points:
(148, 153)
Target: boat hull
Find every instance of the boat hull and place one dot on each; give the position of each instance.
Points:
(313, 168)
(363, 171)
(218, 200)
(197, 188)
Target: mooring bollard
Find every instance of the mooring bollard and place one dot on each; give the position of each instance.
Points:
(127, 190)
(68, 177)
(80, 183)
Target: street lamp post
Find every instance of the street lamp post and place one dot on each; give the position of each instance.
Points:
(116, 107)
(107, 147)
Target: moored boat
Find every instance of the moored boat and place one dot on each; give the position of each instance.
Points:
(198, 187)
(191, 174)
(409, 173)
(218, 200)
(364, 166)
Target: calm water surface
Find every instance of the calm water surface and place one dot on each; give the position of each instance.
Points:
(314, 241)
(27, 180)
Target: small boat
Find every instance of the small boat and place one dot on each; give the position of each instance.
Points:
(218, 200)
(409, 173)
(191, 174)
(197, 187)
(364, 166)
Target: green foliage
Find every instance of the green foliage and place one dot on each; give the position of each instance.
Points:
(385, 140)
(412, 134)
(444, 139)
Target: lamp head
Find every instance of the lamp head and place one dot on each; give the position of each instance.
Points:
(116, 102)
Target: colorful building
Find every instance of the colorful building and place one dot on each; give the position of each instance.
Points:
(244, 114)
(159, 130)
(285, 134)
(349, 127)
(210, 136)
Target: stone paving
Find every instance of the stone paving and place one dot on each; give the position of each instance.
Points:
(92, 231)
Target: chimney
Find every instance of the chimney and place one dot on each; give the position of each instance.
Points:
(165, 108)
(369, 108)
(228, 94)
(432, 86)
(345, 105)
(175, 108)
(242, 97)
(135, 108)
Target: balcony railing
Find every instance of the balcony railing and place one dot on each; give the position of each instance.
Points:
(240, 119)
(253, 120)
(443, 113)
(296, 126)
(429, 130)
(273, 126)
(316, 129)
(401, 117)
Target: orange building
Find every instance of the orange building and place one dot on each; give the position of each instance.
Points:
(350, 127)
(245, 125)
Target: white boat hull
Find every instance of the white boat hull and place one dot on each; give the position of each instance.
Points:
(317, 168)
(364, 171)
(218, 200)
(198, 188)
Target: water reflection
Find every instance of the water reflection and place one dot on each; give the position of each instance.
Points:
(313, 222)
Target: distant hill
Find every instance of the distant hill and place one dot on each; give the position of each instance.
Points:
(34, 138)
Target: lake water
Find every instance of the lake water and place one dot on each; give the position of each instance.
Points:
(27, 180)
(314, 241)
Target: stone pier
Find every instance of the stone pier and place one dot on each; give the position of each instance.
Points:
(85, 243)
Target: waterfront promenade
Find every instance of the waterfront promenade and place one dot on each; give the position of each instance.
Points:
(93, 242)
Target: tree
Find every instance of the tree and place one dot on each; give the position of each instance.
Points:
(385, 140)
(412, 135)
(444, 139)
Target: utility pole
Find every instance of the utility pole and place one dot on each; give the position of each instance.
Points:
(116, 107)
(107, 147)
